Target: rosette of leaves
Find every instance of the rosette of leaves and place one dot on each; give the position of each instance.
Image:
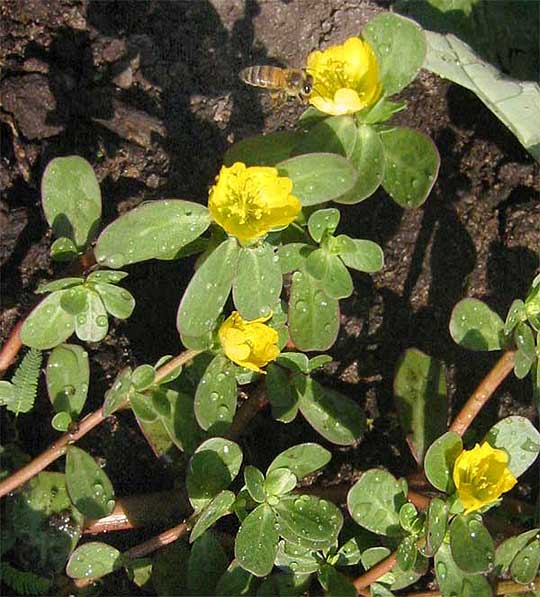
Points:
(80, 305)
(71, 200)
(475, 326)
(334, 149)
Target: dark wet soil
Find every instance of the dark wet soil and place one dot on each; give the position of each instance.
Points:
(148, 92)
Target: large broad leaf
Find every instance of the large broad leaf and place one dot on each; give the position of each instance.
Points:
(207, 292)
(400, 45)
(92, 324)
(93, 560)
(256, 543)
(302, 460)
(68, 374)
(236, 582)
(475, 326)
(212, 468)
(336, 417)
(262, 150)
(420, 395)
(319, 177)
(88, 486)
(154, 230)
(118, 301)
(521, 440)
(257, 285)
(452, 580)
(309, 521)
(439, 461)
(207, 562)
(336, 134)
(71, 199)
(411, 165)
(181, 424)
(215, 399)
(374, 502)
(368, 159)
(48, 324)
(515, 103)
(220, 506)
(313, 315)
(360, 254)
(471, 544)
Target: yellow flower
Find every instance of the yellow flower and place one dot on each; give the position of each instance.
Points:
(345, 77)
(481, 476)
(249, 202)
(250, 344)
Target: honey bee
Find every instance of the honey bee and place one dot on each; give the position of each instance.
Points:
(284, 83)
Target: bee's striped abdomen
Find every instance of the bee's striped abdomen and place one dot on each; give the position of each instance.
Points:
(265, 76)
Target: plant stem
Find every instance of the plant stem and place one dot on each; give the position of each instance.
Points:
(373, 574)
(11, 348)
(483, 392)
(59, 447)
(255, 402)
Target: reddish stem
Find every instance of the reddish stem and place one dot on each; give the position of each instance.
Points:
(11, 348)
(255, 402)
(502, 368)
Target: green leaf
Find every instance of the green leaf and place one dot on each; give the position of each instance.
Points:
(256, 543)
(515, 103)
(143, 408)
(336, 417)
(279, 481)
(407, 553)
(170, 570)
(92, 324)
(374, 502)
(323, 221)
(48, 324)
(258, 281)
(525, 566)
(118, 393)
(60, 284)
(155, 434)
(208, 291)
(452, 580)
(262, 150)
(215, 398)
(153, 230)
(88, 486)
(93, 560)
(61, 421)
(515, 314)
(519, 438)
(336, 134)
(301, 460)
(439, 461)
(475, 326)
(380, 112)
(319, 177)
(293, 256)
(71, 199)
(42, 520)
(508, 550)
(313, 315)
(212, 468)
(118, 301)
(335, 583)
(400, 45)
(522, 364)
(235, 582)
(308, 521)
(295, 559)
(63, 249)
(254, 480)
(207, 562)
(220, 506)
(143, 377)
(19, 395)
(68, 376)
(106, 276)
(140, 572)
(437, 524)
(282, 398)
(181, 424)
(411, 166)
(337, 282)
(319, 361)
(524, 339)
(362, 255)
(317, 264)
(74, 300)
(368, 159)
(471, 544)
(420, 395)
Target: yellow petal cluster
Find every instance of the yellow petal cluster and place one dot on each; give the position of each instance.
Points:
(249, 202)
(481, 476)
(251, 344)
(345, 77)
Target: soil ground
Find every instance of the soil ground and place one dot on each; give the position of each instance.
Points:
(148, 92)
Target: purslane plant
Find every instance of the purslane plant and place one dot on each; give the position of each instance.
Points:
(267, 227)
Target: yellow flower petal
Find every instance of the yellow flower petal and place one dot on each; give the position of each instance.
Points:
(249, 202)
(345, 77)
(481, 476)
(251, 344)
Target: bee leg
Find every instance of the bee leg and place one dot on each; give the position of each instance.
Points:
(278, 99)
